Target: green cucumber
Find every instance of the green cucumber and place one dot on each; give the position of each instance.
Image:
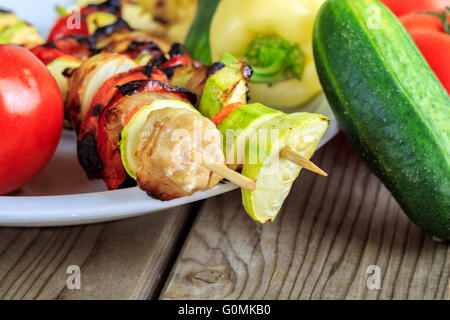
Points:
(389, 104)
(131, 133)
(274, 176)
(240, 125)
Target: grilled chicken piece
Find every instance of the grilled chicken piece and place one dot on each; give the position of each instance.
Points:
(168, 167)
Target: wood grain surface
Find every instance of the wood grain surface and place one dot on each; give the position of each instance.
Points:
(330, 231)
(119, 260)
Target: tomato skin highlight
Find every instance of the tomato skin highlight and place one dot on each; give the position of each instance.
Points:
(31, 117)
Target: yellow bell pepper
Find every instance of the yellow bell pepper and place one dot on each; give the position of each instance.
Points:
(258, 30)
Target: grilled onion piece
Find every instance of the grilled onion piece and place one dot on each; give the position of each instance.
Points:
(88, 78)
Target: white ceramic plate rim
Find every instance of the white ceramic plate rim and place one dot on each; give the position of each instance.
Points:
(61, 210)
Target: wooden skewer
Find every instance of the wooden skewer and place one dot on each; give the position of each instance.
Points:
(294, 157)
(222, 170)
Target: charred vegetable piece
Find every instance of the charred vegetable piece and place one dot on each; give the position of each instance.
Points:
(119, 40)
(108, 94)
(87, 80)
(99, 20)
(225, 87)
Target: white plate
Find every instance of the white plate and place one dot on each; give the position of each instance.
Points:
(62, 195)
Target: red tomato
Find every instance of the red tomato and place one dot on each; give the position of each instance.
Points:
(414, 21)
(399, 7)
(432, 40)
(31, 117)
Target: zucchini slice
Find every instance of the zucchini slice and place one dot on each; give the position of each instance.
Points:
(301, 132)
(239, 126)
(57, 67)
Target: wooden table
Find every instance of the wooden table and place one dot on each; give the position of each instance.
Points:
(321, 246)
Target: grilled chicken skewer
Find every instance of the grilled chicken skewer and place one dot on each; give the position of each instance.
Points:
(100, 116)
(194, 77)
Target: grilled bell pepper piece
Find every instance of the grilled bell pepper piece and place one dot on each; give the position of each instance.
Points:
(108, 94)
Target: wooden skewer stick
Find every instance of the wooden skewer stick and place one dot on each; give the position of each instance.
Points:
(222, 170)
(288, 154)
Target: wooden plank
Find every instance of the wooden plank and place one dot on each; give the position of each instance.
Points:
(119, 260)
(329, 233)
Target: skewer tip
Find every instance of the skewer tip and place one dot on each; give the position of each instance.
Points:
(294, 157)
